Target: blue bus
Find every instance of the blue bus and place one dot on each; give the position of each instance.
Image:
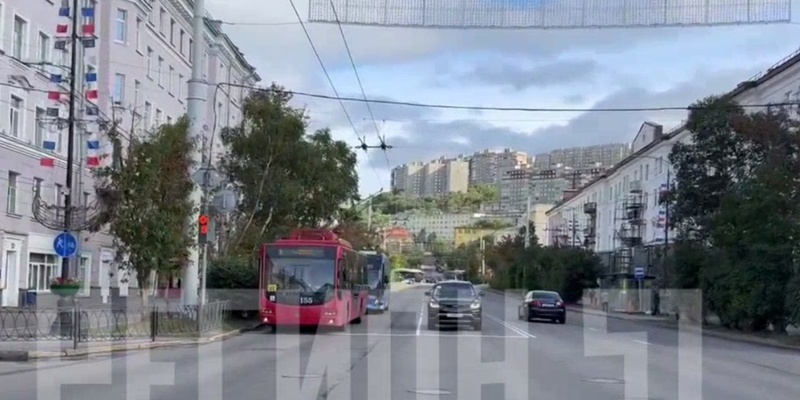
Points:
(379, 270)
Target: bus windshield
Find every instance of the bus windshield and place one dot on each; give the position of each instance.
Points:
(304, 269)
(374, 271)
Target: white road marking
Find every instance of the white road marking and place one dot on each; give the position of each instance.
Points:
(419, 321)
(593, 329)
(641, 342)
(511, 327)
(432, 335)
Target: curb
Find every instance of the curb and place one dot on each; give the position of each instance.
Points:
(28, 355)
(706, 332)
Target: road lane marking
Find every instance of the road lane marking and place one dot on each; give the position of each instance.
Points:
(593, 329)
(431, 335)
(419, 320)
(641, 342)
(513, 328)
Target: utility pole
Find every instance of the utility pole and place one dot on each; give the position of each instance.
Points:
(369, 216)
(483, 259)
(78, 191)
(71, 122)
(195, 102)
(528, 223)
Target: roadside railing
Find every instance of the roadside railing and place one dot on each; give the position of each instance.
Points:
(95, 324)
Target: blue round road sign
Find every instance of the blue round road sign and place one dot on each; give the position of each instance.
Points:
(65, 245)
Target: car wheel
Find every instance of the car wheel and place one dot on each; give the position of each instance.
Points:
(562, 320)
(478, 326)
(431, 325)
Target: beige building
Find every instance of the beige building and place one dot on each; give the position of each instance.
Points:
(432, 179)
(584, 157)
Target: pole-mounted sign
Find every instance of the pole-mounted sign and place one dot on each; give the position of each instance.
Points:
(202, 222)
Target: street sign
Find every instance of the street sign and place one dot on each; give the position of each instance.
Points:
(639, 273)
(65, 245)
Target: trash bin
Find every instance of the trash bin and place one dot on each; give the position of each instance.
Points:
(30, 298)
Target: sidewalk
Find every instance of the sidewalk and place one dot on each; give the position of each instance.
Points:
(50, 349)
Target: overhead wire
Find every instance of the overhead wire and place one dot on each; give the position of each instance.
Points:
(381, 138)
(330, 81)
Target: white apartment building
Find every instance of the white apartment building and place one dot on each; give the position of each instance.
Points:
(444, 224)
(142, 59)
(648, 166)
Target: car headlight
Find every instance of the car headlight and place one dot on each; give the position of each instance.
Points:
(433, 304)
(475, 305)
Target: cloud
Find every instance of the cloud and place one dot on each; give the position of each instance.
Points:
(545, 74)
(429, 140)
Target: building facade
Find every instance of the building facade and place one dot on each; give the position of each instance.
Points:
(432, 179)
(141, 58)
(620, 209)
(584, 157)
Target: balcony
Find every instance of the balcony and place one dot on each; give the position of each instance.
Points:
(590, 208)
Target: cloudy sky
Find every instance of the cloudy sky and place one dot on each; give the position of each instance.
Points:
(558, 68)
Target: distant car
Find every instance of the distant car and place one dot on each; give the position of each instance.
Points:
(410, 281)
(454, 303)
(541, 304)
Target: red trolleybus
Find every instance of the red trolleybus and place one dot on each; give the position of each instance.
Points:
(313, 278)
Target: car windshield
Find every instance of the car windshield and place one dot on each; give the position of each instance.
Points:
(454, 292)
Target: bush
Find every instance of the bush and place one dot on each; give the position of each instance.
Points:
(236, 280)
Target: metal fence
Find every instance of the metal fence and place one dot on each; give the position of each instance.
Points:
(93, 324)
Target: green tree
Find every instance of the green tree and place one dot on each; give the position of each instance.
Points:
(287, 178)
(146, 194)
(735, 204)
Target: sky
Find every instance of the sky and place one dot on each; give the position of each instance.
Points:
(580, 69)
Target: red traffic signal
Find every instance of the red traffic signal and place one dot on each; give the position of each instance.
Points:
(203, 221)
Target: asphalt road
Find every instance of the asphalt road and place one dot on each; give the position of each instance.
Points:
(393, 356)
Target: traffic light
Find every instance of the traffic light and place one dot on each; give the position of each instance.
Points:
(203, 229)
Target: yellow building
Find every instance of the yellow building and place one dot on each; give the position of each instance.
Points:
(467, 234)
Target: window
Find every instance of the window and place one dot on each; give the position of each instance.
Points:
(44, 49)
(172, 31)
(137, 91)
(169, 79)
(149, 62)
(151, 14)
(11, 196)
(159, 69)
(58, 196)
(138, 35)
(20, 33)
(85, 198)
(85, 275)
(148, 111)
(191, 48)
(41, 269)
(119, 89)
(38, 130)
(15, 116)
(180, 86)
(182, 39)
(169, 120)
(159, 115)
(37, 185)
(162, 20)
(121, 26)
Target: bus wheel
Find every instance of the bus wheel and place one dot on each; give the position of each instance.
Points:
(357, 321)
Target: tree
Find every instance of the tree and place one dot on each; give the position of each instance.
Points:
(146, 194)
(287, 178)
(735, 205)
